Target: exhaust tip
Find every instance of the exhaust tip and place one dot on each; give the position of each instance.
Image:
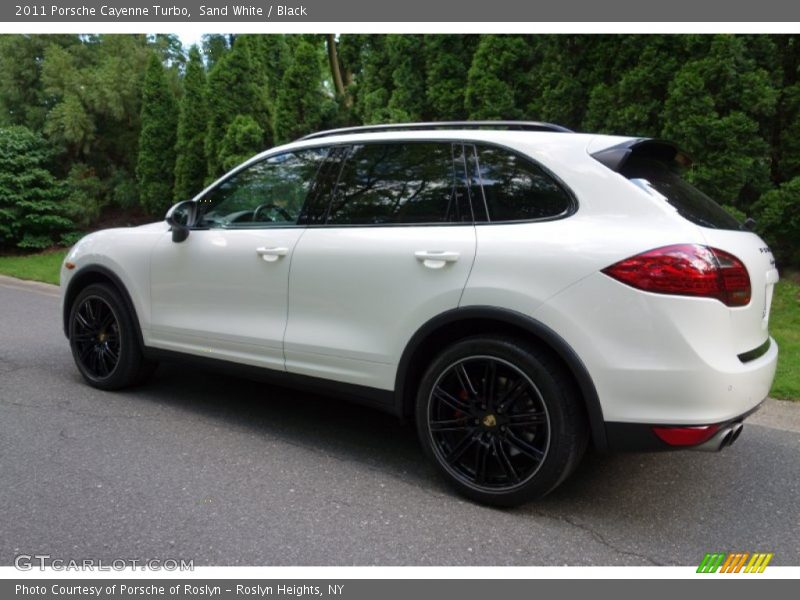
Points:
(737, 431)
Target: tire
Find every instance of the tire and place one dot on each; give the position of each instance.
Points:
(501, 420)
(104, 340)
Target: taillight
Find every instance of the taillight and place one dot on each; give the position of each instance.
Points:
(686, 270)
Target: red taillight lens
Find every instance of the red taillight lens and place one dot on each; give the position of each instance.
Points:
(686, 436)
(686, 270)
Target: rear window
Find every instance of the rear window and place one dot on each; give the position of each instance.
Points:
(691, 203)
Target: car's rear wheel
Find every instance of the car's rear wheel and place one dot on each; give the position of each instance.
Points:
(104, 340)
(501, 419)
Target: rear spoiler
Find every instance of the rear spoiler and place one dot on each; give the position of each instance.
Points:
(615, 157)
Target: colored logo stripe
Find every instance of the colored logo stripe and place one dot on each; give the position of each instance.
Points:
(733, 562)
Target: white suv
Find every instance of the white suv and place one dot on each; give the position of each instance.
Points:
(519, 289)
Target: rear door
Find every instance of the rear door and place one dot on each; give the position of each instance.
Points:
(393, 249)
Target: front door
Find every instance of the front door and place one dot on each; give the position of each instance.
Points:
(223, 291)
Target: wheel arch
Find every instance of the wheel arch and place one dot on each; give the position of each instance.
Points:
(89, 275)
(459, 323)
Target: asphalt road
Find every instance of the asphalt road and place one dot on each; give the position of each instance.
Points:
(197, 465)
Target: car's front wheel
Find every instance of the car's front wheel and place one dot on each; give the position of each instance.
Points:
(104, 340)
(501, 419)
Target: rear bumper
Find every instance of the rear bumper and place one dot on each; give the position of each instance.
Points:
(639, 437)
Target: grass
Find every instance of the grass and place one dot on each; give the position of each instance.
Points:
(784, 317)
(784, 325)
(38, 267)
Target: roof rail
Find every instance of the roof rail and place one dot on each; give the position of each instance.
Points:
(511, 125)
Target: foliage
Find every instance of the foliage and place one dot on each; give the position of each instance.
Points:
(242, 140)
(777, 215)
(156, 165)
(496, 78)
(31, 213)
(232, 91)
(302, 105)
(190, 160)
(732, 101)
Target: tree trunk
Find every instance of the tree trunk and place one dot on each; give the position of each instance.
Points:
(333, 59)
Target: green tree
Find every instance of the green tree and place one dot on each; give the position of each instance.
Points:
(496, 86)
(718, 107)
(777, 215)
(190, 159)
(242, 140)
(407, 101)
(31, 214)
(302, 105)
(375, 81)
(447, 59)
(630, 98)
(232, 91)
(156, 164)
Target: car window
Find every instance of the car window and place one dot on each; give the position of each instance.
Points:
(515, 188)
(269, 193)
(400, 183)
(691, 203)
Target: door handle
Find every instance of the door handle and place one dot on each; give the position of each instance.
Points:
(272, 254)
(436, 259)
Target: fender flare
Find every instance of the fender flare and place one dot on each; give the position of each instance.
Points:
(86, 272)
(526, 324)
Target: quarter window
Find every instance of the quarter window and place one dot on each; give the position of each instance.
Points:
(268, 193)
(401, 183)
(515, 188)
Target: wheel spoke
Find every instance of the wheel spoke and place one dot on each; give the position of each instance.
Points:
(101, 361)
(489, 383)
(460, 448)
(524, 447)
(90, 314)
(459, 424)
(526, 419)
(81, 320)
(505, 461)
(112, 354)
(464, 380)
(480, 464)
(106, 321)
(448, 399)
(512, 395)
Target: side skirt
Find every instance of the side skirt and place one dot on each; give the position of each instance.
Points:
(383, 400)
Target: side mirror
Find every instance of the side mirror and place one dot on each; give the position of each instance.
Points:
(180, 218)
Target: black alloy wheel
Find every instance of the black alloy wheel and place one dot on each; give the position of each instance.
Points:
(104, 339)
(96, 337)
(501, 418)
(488, 423)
